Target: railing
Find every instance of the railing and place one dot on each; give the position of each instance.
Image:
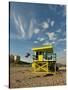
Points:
(49, 56)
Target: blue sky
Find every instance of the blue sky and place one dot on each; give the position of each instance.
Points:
(35, 25)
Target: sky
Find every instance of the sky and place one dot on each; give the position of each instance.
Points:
(36, 25)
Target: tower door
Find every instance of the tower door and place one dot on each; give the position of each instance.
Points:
(40, 56)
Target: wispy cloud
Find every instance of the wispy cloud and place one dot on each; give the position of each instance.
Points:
(46, 43)
(15, 19)
(40, 39)
(35, 41)
(59, 30)
(53, 42)
(45, 25)
(48, 20)
(62, 39)
(51, 35)
(36, 31)
(30, 31)
(19, 25)
(52, 23)
(49, 43)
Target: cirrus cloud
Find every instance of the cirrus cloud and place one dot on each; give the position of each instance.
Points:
(40, 39)
(46, 43)
(45, 25)
(62, 39)
(51, 35)
(19, 23)
(30, 31)
(59, 30)
(35, 41)
(36, 31)
(52, 23)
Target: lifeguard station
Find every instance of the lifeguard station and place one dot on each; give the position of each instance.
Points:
(44, 59)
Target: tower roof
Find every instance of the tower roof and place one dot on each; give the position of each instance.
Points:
(48, 48)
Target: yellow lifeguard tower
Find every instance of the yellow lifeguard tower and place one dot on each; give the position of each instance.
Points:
(44, 59)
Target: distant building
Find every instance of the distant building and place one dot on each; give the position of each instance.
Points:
(14, 58)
